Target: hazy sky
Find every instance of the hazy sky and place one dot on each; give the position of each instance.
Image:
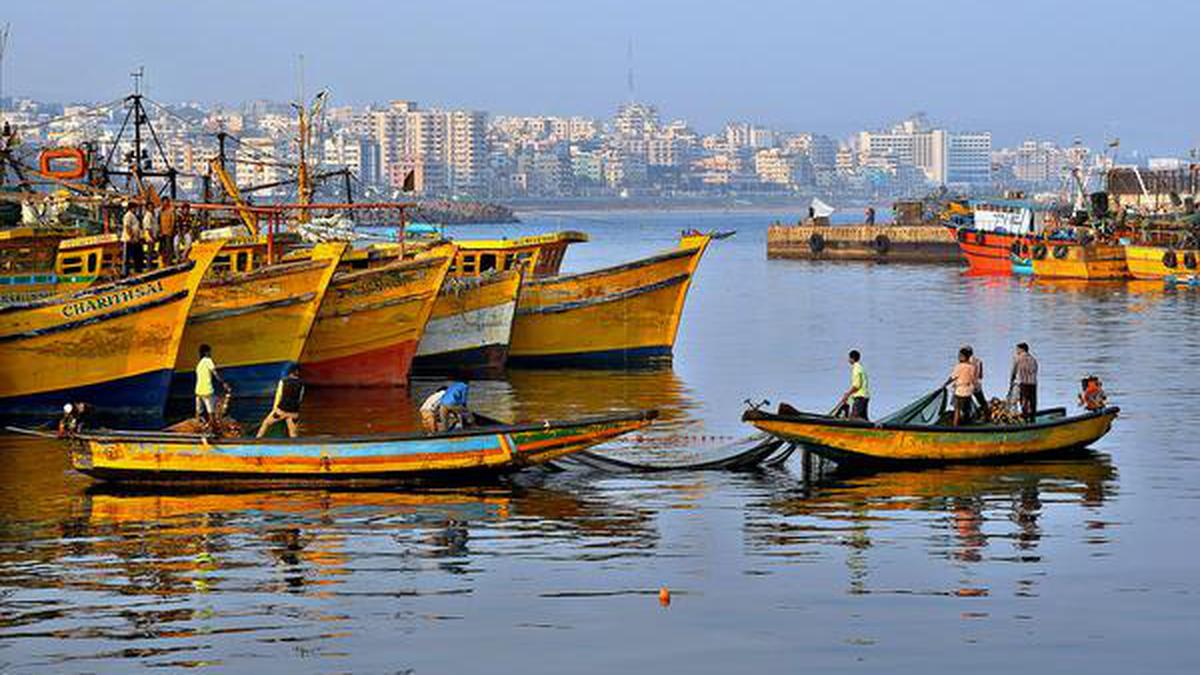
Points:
(1045, 68)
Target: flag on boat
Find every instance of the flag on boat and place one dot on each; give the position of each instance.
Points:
(820, 209)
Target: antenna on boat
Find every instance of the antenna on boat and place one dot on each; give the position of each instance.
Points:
(629, 71)
(139, 164)
(3, 49)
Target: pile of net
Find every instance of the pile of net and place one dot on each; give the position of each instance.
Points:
(1001, 411)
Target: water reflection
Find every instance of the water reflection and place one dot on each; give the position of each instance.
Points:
(966, 514)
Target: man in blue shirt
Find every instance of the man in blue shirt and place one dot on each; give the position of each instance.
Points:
(452, 411)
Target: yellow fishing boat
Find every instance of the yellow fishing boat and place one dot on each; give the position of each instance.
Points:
(538, 255)
(371, 320)
(1093, 261)
(257, 317)
(113, 345)
(471, 325)
(38, 263)
(179, 459)
(1159, 262)
(919, 433)
(623, 315)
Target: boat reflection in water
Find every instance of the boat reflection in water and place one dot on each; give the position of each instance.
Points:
(969, 513)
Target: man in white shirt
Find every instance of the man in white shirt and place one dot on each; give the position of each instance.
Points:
(429, 410)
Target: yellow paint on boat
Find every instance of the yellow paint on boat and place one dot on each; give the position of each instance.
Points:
(157, 457)
(459, 296)
(881, 443)
(1072, 260)
(105, 334)
(259, 317)
(634, 307)
(43, 262)
(540, 255)
(1149, 262)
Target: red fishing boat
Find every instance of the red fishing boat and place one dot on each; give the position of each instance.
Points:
(996, 229)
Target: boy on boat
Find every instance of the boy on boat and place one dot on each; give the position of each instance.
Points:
(288, 395)
(857, 398)
(206, 397)
(964, 379)
(1092, 395)
(1024, 378)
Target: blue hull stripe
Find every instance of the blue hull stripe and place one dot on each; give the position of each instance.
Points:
(259, 379)
(144, 394)
(440, 446)
(640, 357)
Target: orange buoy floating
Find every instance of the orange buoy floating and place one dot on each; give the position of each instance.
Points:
(664, 596)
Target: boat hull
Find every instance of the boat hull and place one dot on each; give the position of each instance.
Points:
(857, 441)
(1072, 260)
(471, 326)
(370, 322)
(609, 317)
(164, 458)
(1150, 262)
(256, 323)
(109, 346)
(986, 252)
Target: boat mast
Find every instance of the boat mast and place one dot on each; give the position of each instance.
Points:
(139, 165)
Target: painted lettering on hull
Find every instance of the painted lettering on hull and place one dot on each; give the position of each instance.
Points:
(122, 297)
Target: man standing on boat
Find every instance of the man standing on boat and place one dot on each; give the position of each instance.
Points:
(207, 410)
(964, 380)
(858, 396)
(981, 403)
(131, 242)
(288, 395)
(1024, 378)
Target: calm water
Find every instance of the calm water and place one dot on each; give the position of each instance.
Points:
(1064, 565)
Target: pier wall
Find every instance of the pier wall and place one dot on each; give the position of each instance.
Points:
(879, 243)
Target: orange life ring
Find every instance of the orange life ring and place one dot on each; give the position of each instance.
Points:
(77, 169)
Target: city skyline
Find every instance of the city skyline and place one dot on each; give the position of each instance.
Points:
(833, 69)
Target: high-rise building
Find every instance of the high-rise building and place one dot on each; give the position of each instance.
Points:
(466, 150)
(635, 120)
(968, 159)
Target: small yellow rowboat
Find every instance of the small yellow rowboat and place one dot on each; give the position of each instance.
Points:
(165, 458)
(915, 434)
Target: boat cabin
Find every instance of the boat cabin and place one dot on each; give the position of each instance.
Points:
(1021, 217)
(541, 255)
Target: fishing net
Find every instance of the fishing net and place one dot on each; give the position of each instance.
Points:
(925, 411)
(758, 450)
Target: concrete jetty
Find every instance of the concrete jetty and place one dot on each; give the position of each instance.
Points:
(877, 243)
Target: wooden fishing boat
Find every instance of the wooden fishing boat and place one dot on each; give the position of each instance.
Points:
(990, 238)
(40, 263)
(180, 459)
(538, 255)
(113, 345)
(371, 320)
(1067, 259)
(468, 334)
(614, 317)
(918, 434)
(1159, 262)
(256, 317)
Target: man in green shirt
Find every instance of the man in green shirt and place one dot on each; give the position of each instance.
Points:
(206, 398)
(858, 396)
